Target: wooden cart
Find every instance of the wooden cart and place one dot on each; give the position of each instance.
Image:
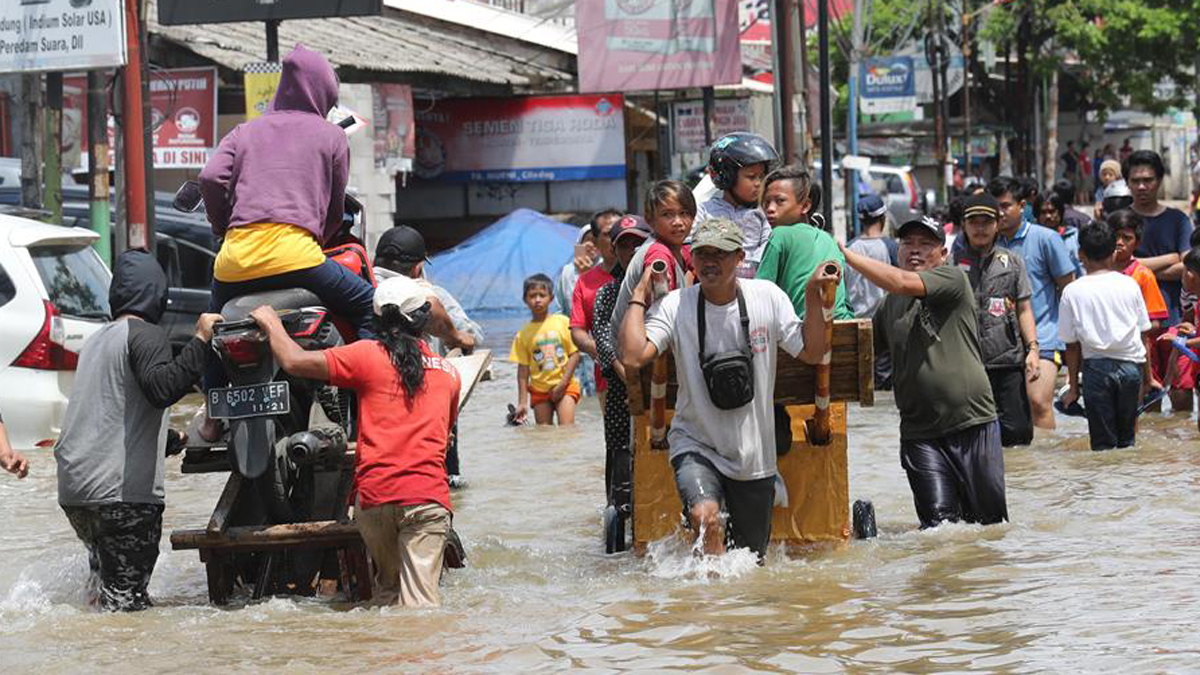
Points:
(318, 554)
(815, 473)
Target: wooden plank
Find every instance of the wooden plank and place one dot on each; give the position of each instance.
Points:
(316, 534)
(866, 364)
(471, 370)
(795, 381)
(220, 516)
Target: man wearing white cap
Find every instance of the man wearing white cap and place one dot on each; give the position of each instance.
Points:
(407, 402)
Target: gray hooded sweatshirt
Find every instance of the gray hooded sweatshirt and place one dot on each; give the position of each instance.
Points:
(113, 442)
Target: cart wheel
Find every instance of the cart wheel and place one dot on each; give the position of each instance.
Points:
(614, 530)
(864, 519)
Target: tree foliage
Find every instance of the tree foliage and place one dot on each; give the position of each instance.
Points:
(1119, 50)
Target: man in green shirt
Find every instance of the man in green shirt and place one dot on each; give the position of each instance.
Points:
(949, 436)
(795, 247)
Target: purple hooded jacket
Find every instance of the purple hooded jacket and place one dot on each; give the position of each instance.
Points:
(288, 166)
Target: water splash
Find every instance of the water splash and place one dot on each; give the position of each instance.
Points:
(675, 557)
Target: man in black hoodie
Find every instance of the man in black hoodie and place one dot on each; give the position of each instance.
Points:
(112, 448)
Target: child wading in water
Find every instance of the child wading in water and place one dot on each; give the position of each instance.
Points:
(546, 358)
(1102, 320)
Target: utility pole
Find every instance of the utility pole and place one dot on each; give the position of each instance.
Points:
(97, 145)
(273, 40)
(851, 175)
(785, 78)
(933, 56)
(137, 232)
(52, 147)
(966, 52)
(31, 160)
(826, 114)
(806, 135)
(710, 104)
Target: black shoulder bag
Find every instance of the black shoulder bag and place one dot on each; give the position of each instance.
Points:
(729, 376)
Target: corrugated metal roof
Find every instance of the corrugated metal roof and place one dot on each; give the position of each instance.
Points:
(390, 44)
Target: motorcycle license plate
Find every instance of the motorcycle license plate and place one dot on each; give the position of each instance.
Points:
(270, 398)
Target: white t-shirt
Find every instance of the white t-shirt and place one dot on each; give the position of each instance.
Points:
(1105, 313)
(740, 443)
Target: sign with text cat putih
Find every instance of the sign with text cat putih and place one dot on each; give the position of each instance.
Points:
(61, 35)
(182, 12)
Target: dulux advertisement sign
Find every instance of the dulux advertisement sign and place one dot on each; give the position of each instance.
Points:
(890, 77)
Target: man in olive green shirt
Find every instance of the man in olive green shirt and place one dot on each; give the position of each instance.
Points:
(949, 436)
(795, 247)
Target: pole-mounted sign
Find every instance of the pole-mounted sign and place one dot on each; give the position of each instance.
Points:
(61, 35)
(180, 12)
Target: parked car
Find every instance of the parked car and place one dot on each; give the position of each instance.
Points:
(10, 172)
(53, 296)
(900, 191)
(897, 185)
(184, 246)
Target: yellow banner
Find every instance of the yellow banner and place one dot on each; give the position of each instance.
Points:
(261, 80)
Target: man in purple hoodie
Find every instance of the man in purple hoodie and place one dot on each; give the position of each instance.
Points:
(274, 191)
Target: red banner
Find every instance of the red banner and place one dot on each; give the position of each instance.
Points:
(183, 115)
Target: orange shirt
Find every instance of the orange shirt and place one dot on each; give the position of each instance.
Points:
(1156, 307)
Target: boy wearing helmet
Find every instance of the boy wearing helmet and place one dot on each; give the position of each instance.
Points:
(738, 164)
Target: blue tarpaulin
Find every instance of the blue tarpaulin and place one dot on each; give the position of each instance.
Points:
(487, 271)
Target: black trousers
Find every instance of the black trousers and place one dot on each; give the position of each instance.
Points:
(122, 545)
(1112, 392)
(957, 477)
(748, 502)
(618, 438)
(1012, 406)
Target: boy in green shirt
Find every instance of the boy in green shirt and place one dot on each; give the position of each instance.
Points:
(795, 247)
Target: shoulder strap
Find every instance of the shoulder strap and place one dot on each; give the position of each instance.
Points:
(745, 319)
(743, 316)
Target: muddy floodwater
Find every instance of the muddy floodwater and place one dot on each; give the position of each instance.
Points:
(1098, 571)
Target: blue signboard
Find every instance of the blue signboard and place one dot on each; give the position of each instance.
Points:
(890, 77)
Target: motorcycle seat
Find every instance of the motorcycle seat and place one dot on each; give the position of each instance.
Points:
(289, 298)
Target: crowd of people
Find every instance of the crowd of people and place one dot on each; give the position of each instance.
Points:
(973, 319)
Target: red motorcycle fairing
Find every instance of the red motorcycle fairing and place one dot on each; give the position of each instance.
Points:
(352, 256)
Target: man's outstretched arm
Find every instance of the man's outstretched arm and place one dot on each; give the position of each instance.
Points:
(891, 279)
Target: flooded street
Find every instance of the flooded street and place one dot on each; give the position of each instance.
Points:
(1097, 571)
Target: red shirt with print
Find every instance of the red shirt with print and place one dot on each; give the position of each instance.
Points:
(660, 251)
(402, 442)
(583, 306)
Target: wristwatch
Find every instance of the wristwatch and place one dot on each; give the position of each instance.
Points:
(1032, 346)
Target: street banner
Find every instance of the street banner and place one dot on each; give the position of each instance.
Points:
(260, 81)
(392, 119)
(61, 35)
(512, 140)
(183, 115)
(687, 122)
(888, 85)
(641, 45)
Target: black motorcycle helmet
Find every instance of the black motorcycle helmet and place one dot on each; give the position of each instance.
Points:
(734, 151)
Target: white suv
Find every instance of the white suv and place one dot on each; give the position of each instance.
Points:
(53, 296)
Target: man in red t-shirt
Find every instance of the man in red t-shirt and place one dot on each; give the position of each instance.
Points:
(583, 298)
(404, 419)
